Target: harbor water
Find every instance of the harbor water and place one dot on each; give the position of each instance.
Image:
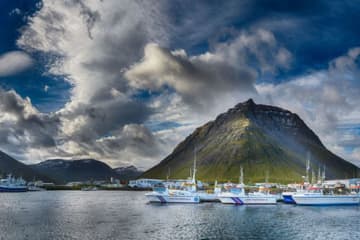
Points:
(127, 215)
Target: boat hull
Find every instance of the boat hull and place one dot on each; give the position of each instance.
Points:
(326, 200)
(288, 198)
(172, 199)
(13, 189)
(208, 197)
(247, 200)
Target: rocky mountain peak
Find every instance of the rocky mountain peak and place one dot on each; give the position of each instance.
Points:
(260, 138)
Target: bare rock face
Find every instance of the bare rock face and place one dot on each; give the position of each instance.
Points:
(264, 140)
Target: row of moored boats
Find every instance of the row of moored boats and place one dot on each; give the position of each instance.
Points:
(235, 194)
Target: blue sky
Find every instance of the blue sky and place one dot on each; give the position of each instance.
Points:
(139, 76)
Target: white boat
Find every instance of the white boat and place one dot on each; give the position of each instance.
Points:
(35, 189)
(89, 188)
(210, 196)
(237, 196)
(11, 184)
(306, 199)
(316, 197)
(306, 187)
(162, 194)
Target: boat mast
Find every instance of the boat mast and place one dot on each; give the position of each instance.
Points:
(194, 170)
(313, 177)
(307, 178)
(267, 176)
(241, 177)
(323, 174)
(168, 174)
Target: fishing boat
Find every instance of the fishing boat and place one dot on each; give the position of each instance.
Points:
(162, 194)
(236, 195)
(11, 184)
(188, 194)
(317, 197)
(210, 196)
(306, 187)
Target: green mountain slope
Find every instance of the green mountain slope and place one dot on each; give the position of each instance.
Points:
(262, 139)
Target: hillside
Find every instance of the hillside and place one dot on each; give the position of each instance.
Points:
(9, 165)
(262, 139)
(128, 173)
(64, 171)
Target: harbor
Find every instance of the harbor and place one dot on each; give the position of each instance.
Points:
(128, 215)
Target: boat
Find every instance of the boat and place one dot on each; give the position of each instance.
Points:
(11, 184)
(90, 188)
(162, 194)
(236, 195)
(287, 197)
(317, 197)
(210, 196)
(35, 189)
(188, 194)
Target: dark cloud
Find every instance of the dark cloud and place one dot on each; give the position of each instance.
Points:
(23, 127)
(306, 28)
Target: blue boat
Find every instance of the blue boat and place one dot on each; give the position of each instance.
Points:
(11, 184)
(288, 197)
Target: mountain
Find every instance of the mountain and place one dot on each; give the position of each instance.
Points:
(9, 165)
(264, 140)
(64, 171)
(128, 173)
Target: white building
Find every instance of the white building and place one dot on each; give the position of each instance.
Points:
(347, 182)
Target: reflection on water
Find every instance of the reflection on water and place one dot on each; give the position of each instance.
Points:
(126, 215)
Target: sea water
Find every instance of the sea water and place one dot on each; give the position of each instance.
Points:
(127, 215)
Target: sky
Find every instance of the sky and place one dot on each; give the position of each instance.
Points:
(125, 81)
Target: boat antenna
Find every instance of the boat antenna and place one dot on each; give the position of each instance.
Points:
(323, 174)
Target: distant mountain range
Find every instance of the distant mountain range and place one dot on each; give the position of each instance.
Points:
(264, 140)
(62, 171)
(9, 165)
(128, 173)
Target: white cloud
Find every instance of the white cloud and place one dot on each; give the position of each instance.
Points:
(109, 50)
(14, 62)
(230, 71)
(96, 42)
(90, 43)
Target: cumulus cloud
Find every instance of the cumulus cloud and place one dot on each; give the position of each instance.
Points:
(231, 69)
(90, 43)
(23, 127)
(97, 46)
(114, 52)
(14, 62)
